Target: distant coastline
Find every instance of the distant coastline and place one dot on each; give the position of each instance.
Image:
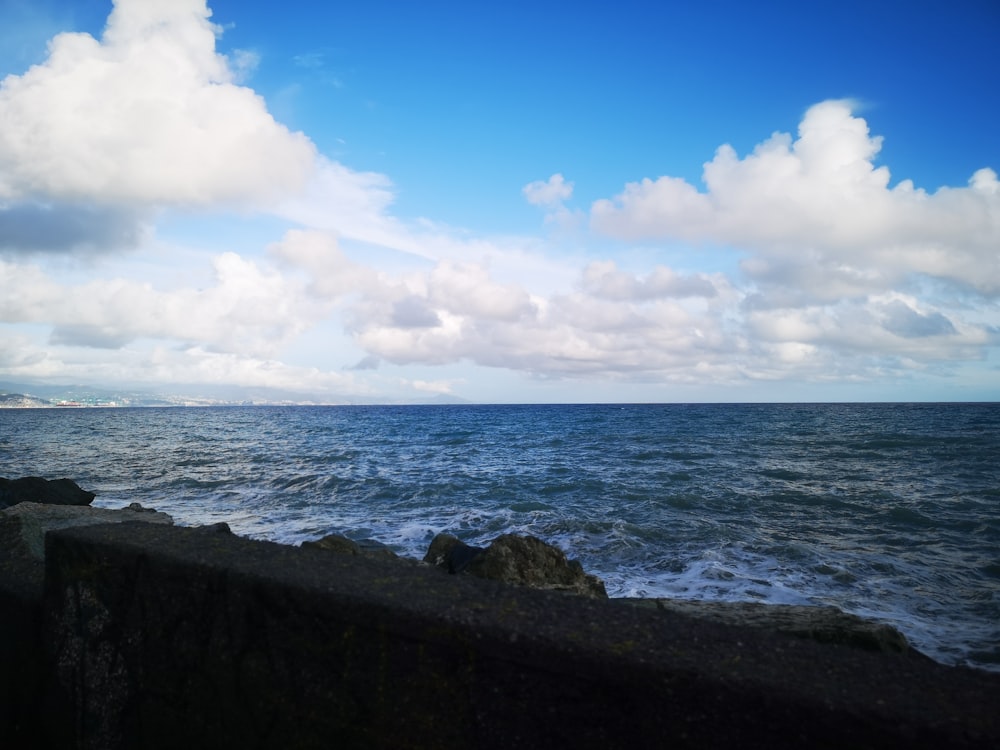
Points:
(28, 401)
(24, 396)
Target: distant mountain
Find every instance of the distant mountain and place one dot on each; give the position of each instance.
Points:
(44, 394)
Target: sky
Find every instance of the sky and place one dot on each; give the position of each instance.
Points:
(505, 202)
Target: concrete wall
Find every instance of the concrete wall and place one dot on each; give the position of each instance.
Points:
(170, 637)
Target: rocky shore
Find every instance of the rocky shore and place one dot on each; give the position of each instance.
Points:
(32, 506)
(120, 629)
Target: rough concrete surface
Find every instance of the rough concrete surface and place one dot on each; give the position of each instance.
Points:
(34, 520)
(822, 624)
(164, 637)
(23, 678)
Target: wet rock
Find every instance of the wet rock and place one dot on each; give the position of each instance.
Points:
(343, 545)
(823, 624)
(518, 560)
(39, 490)
(451, 553)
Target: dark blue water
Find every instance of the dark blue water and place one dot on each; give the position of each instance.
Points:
(886, 510)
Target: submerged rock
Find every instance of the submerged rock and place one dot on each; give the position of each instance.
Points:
(45, 491)
(518, 560)
(823, 624)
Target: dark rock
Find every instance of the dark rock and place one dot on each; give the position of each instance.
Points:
(139, 508)
(450, 552)
(461, 555)
(528, 561)
(437, 552)
(39, 490)
(342, 545)
(213, 528)
(822, 624)
(373, 548)
(335, 543)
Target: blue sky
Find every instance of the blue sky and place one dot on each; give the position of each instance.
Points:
(507, 202)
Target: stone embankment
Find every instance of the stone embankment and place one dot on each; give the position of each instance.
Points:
(137, 633)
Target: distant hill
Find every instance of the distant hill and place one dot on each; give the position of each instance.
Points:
(21, 401)
(38, 395)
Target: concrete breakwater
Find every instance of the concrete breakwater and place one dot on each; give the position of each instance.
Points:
(119, 630)
(138, 634)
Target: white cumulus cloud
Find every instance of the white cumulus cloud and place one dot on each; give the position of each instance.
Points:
(820, 201)
(150, 113)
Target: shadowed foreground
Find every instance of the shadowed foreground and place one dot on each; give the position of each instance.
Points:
(158, 636)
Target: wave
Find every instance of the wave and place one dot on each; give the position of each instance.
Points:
(884, 511)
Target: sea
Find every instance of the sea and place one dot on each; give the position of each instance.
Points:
(889, 511)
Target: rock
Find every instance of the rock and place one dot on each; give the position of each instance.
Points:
(528, 561)
(342, 545)
(519, 560)
(221, 527)
(138, 508)
(450, 552)
(373, 548)
(27, 523)
(823, 624)
(38, 490)
(335, 543)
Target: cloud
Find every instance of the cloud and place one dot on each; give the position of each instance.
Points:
(820, 197)
(352, 204)
(329, 273)
(864, 336)
(459, 312)
(366, 363)
(163, 366)
(244, 64)
(605, 281)
(150, 114)
(551, 195)
(437, 387)
(249, 310)
(903, 320)
(104, 133)
(549, 192)
(197, 365)
(413, 312)
(843, 276)
(660, 325)
(93, 336)
(314, 59)
(32, 227)
(468, 289)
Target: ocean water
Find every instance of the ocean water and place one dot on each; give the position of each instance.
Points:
(889, 511)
